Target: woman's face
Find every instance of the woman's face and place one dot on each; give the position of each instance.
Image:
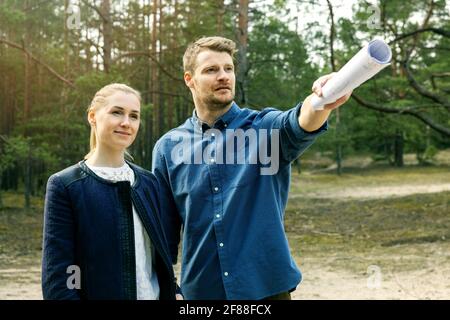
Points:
(117, 123)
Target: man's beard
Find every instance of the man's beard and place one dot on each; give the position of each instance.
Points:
(218, 104)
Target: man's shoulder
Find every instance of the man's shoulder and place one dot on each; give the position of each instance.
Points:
(247, 112)
(255, 117)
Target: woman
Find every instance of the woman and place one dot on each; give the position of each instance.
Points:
(102, 233)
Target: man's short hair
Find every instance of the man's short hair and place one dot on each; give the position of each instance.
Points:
(218, 44)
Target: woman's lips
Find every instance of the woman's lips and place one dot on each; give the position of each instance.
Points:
(123, 133)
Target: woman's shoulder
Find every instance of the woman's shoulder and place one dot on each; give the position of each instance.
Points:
(68, 175)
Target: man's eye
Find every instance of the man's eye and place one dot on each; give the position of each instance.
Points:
(116, 112)
(134, 117)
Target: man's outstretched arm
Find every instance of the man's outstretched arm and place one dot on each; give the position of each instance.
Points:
(310, 119)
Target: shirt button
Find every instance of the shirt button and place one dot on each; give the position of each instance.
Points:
(221, 244)
(225, 125)
(213, 134)
(217, 215)
(226, 274)
(216, 189)
(213, 160)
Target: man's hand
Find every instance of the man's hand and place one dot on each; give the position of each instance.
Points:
(317, 89)
(179, 296)
(311, 119)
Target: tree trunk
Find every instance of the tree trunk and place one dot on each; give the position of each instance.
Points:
(66, 45)
(28, 178)
(242, 36)
(172, 43)
(299, 165)
(220, 14)
(154, 72)
(160, 78)
(26, 100)
(337, 111)
(26, 113)
(398, 148)
(107, 34)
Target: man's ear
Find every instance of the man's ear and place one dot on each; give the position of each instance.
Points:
(188, 79)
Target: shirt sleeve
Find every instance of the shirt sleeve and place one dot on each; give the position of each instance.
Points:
(293, 140)
(59, 243)
(170, 217)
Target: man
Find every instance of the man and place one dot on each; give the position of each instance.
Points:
(231, 207)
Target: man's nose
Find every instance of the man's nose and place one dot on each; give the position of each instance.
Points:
(223, 75)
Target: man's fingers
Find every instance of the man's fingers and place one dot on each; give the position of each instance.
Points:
(317, 90)
(319, 83)
(317, 87)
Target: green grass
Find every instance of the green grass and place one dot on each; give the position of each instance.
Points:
(20, 229)
(381, 231)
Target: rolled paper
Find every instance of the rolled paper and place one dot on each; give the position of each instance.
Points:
(371, 59)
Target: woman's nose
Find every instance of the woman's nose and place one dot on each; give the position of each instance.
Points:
(125, 121)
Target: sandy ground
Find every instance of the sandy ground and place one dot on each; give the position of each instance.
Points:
(376, 192)
(431, 280)
(20, 284)
(321, 280)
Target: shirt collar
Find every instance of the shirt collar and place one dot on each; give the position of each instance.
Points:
(222, 122)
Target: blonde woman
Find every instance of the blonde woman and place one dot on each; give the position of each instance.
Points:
(102, 233)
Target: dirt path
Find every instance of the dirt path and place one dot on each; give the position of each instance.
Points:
(429, 277)
(324, 284)
(20, 284)
(320, 281)
(365, 193)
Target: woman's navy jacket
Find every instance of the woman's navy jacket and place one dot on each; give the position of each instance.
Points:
(88, 227)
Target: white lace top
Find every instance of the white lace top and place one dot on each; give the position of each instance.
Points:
(146, 280)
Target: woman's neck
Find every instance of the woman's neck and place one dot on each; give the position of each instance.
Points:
(106, 158)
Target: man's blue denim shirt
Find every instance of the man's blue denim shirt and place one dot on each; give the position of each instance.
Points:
(231, 214)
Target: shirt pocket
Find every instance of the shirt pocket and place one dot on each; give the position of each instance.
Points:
(238, 175)
(191, 180)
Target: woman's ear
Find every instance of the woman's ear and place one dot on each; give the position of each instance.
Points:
(91, 117)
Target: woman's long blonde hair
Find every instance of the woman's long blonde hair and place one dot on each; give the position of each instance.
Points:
(99, 101)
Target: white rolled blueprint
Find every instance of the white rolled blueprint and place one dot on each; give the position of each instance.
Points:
(371, 59)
